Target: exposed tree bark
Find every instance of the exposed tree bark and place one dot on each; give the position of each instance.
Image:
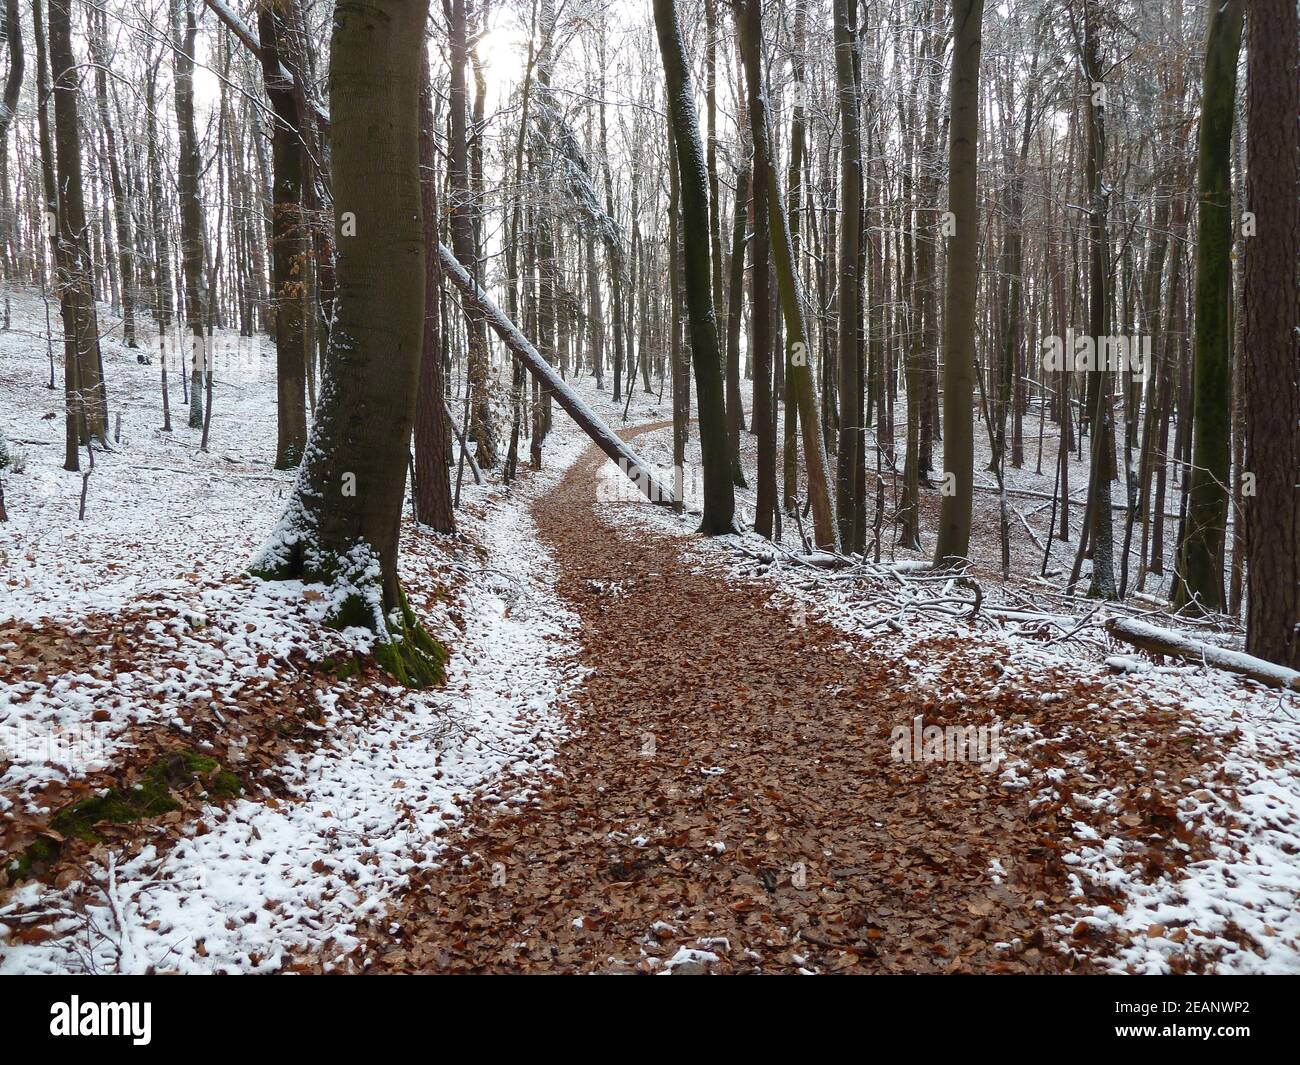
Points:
(735, 297)
(193, 239)
(719, 495)
(820, 498)
(289, 242)
(749, 26)
(953, 546)
(342, 523)
(851, 424)
(433, 503)
(1198, 581)
(87, 396)
(1272, 334)
(1101, 536)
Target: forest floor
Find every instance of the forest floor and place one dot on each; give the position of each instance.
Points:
(655, 753)
(732, 802)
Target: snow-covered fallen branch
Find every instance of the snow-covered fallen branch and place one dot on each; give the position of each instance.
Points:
(522, 349)
(1167, 642)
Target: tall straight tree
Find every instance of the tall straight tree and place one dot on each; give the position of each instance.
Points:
(953, 546)
(1199, 576)
(289, 243)
(1272, 333)
(84, 377)
(1101, 532)
(433, 501)
(464, 233)
(696, 244)
(193, 240)
(760, 275)
(852, 435)
(121, 208)
(341, 525)
(820, 497)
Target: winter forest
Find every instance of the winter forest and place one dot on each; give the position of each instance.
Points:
(649, 486)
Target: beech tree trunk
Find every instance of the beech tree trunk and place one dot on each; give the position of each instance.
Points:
(289, 243)
(719, 494)
(84, 375)
(193, 239)
(342, 523)
(433, 502)
(1272, 334)
(953, 546)
(1199, 577)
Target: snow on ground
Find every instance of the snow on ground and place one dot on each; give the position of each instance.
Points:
(1248, 806)
(168, 531)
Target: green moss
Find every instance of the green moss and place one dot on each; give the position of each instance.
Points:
(225, 785)
(342, 668)
(353, 612)
(413, 656)
(409, 653)
(39, 853)
(152, 796)
(149, 798)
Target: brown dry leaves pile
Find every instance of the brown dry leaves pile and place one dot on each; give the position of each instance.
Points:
(732, 791)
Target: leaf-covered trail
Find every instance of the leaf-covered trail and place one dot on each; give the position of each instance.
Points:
(730, 801)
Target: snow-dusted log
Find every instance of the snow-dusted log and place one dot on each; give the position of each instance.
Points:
(1166, 642)
(587, 419)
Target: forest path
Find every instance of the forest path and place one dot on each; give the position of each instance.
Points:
(730, 790)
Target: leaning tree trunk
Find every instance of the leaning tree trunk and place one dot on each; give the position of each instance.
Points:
(1199, 576)
(342, 524)
(13, 32)
(953, 546)
(289, 242)
(719, 494)
(1273, 335)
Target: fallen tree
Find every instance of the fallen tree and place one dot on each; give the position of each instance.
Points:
(1176, 645)
(587, 419)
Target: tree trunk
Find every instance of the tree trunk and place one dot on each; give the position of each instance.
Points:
(433, 503)
(193, 242)
(719, 495)
(289, 242)
(1272, 335)
(1199, 577)
(953, 546)
(849, 505)
(342, 523)
(85, 370)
